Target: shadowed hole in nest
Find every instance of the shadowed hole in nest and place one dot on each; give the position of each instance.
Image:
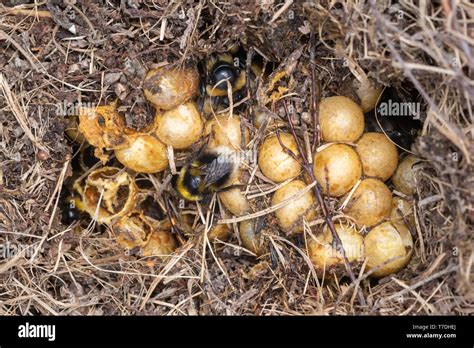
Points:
(397, 114)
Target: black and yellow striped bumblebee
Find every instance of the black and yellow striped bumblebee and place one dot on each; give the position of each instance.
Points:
(206, 172)
(220, 69)
(72, 208)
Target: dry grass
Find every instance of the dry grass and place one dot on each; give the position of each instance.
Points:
(76, 271)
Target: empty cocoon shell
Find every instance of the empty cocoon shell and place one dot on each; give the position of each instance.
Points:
(103, 126)
(109, 193)
(132, 231)
(161, 243)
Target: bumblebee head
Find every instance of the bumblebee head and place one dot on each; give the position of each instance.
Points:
(220, 69)
(188, 185)
(222, 72)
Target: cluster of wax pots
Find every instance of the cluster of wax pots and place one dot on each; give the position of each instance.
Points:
(111, 195)
(350, 166)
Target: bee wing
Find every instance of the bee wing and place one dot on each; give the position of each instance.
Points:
(215, 171)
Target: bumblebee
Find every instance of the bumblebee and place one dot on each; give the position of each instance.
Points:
(217, 71)
(210, 170)
(223, 68)
(71, 207)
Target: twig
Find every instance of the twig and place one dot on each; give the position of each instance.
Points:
(174, 227)
(26, 12)
(314, 109)
(278, 13)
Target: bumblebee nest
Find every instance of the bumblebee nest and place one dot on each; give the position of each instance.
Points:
(57, 55)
